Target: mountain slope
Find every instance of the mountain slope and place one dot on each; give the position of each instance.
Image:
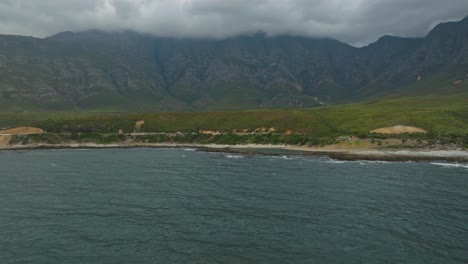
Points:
(442, 56)
(134, 72)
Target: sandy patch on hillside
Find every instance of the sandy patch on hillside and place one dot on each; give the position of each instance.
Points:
(265, 129)
(4, 140)
(210, 132)
(139, 124)
(399, 130)
(22, 131)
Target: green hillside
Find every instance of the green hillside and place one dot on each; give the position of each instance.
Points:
(434, 113)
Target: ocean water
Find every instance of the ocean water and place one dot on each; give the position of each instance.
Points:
(186, 206)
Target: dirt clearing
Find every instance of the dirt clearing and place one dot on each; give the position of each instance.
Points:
(4, 140)
(22, 131)
(399, 130)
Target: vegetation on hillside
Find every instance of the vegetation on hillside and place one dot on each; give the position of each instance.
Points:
(444, 117)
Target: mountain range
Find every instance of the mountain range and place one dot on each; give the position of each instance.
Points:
(129, 71)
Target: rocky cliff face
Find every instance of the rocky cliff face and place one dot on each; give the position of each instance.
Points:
(130, 71)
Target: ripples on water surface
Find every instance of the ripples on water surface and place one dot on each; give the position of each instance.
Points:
(176, 206)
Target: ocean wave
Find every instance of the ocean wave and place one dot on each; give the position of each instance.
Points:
(366, 162)
(451, 165)
(284, 157)
(336, 161)
(360, 162)
(190, 149)
(234, 156)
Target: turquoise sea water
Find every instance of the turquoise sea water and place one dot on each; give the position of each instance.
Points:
(185, 206)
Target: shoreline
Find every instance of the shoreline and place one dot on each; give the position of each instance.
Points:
(401, 155)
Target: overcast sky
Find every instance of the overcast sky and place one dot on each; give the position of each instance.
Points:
(353, 21)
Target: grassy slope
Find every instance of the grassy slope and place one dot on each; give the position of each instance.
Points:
(437, 114)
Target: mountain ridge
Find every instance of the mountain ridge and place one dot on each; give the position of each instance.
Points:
(131, 71)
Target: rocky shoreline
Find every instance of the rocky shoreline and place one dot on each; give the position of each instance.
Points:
(277, 150)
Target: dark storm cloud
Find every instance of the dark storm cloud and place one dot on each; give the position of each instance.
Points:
(352, 21)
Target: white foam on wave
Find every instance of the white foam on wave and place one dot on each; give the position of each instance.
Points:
(366, 162)
(451, 165)
(360, 162)
(284, 157)
(234, 156)
(190, 149)
(434, 153)
(336, 161)
(288, 158)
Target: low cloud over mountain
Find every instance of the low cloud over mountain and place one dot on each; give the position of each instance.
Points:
(356, 22)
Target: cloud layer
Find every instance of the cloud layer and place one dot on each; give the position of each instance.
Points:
(352, 21)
